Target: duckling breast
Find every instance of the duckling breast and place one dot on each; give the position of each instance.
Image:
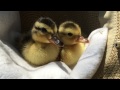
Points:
(38, 55)
(71, 54)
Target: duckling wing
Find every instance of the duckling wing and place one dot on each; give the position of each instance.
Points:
(23, 39)
(26, 37)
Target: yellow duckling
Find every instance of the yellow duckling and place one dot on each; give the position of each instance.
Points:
(74, 44)
(38, 45)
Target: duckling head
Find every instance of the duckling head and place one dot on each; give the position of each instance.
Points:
(70, 33)
(44, 31)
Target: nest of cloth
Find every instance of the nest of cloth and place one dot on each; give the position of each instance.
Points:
(90, 64)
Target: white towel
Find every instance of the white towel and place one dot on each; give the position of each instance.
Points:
(12, 66)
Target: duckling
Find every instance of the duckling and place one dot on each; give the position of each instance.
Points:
(40, 45)
(74, 44)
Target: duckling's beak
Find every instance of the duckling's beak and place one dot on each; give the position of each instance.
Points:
(56, 41)
(82, 39)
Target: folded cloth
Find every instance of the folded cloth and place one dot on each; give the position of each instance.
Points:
(13, 66)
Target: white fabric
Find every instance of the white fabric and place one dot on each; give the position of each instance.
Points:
(12, 66)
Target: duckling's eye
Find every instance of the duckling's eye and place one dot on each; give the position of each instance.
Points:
(70, 34)
(43, 30)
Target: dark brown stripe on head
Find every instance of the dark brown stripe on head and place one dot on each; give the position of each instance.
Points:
(47, 21)
(69, 25)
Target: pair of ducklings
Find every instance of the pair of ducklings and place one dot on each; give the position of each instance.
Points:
(44, 43)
